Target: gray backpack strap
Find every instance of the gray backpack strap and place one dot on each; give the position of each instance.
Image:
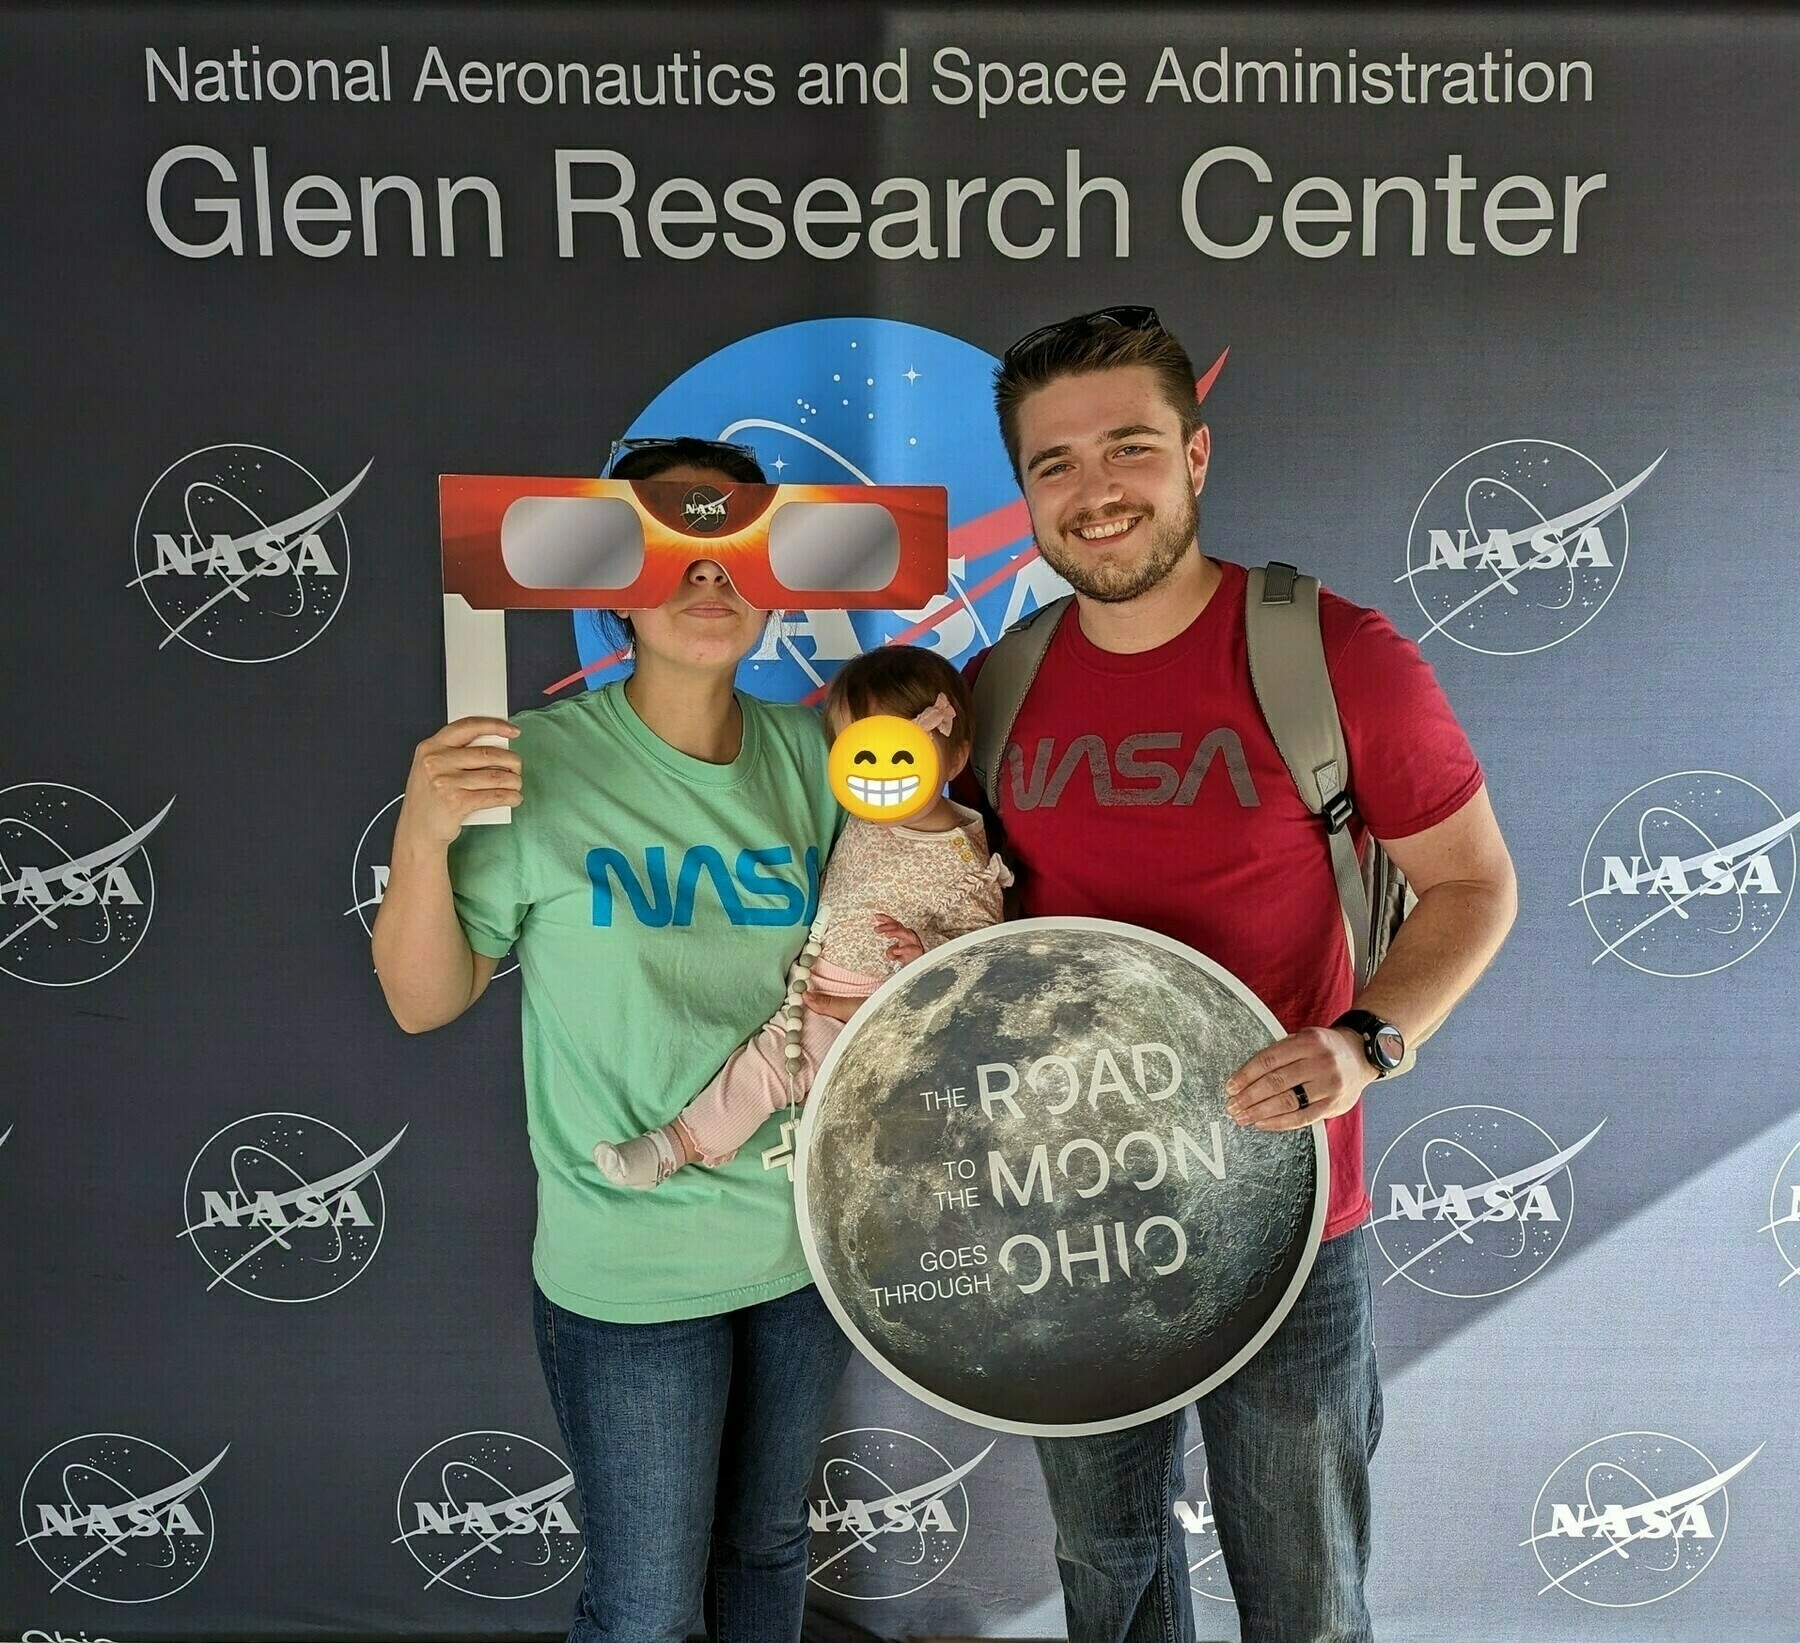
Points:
(1001, 686)
(1288, 673)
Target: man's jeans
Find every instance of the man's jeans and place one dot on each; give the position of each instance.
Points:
(692, 1445)
(1288, 1441)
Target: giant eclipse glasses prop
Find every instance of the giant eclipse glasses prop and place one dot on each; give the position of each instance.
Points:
(533, 543)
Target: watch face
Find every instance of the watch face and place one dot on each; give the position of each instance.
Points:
(1389, 1046)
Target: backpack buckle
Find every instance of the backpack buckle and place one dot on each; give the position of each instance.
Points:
(1337, 812)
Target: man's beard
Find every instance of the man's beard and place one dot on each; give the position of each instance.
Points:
(1110, 582)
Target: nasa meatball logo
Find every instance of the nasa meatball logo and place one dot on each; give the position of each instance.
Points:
(1783, 1224)
(704, 509)
(243, 554)
(489, 1514)
(1473, 1201)
(369, 873)
(1535, 522)
(861, 401)
(1194, 1513)
(76, 890)
(888, 1513)
(118, 1518)
(1688, 874)
(1630, 1519)
(284, 1207)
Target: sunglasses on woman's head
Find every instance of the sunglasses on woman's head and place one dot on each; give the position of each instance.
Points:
(698, 449)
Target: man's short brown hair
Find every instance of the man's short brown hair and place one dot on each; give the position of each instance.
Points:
(1079, 349)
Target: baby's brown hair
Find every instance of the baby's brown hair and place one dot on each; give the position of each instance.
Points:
(902, 680)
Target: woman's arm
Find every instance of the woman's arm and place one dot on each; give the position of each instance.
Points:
(429, 974)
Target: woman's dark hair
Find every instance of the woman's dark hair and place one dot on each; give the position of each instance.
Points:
(647, 462)
(902, 680)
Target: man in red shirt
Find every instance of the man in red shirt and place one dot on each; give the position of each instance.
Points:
(1141, 783)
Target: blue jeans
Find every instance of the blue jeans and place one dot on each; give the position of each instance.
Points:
(1288, 1443)
(692, 1445)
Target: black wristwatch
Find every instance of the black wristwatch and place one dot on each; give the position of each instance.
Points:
(1383, 1042)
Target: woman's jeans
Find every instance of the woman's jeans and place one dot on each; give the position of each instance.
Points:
(692, 1445)
(1288, 1442)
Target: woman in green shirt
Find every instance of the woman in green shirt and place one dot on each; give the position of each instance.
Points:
(657, 877)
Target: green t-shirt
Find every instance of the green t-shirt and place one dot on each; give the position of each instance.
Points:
(655, 902)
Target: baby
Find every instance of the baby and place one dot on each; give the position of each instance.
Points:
(892, 890)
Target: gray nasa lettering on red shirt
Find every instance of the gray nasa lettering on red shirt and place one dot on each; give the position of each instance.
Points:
(1040, 789)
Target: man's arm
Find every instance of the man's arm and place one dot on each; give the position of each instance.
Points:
(1468, 896)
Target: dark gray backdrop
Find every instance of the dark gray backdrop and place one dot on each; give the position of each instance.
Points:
(1352, 384)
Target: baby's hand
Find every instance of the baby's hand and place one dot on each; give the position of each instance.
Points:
(831, 1004)
(903, 945)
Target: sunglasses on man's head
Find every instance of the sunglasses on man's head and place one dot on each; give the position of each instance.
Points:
(698, 449)
(1129, 317)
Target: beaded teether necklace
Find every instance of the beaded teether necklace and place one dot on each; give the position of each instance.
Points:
(794, 1006)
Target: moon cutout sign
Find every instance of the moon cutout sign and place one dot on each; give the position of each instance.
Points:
(1019, 1192)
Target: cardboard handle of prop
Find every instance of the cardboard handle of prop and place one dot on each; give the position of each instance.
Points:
(475, 679)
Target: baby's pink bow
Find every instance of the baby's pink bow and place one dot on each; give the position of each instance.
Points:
(939, 717)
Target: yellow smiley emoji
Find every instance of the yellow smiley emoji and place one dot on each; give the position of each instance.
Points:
(884, 768)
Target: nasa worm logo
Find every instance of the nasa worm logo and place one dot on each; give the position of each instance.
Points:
(369, 873)
(1478, 1199)
(1537, 523)
(242, 553)
(488, 1513)
(76, 891)
(888, 1513)
(1784, 1214)
(283, 1207)
(1688, 874)
(704, 508)
(117, 1518)
(1630, 1519)
(1206, 1557)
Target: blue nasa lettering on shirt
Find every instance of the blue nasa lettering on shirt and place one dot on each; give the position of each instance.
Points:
(657, 906)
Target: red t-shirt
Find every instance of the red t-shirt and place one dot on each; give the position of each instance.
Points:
(1147, 788)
